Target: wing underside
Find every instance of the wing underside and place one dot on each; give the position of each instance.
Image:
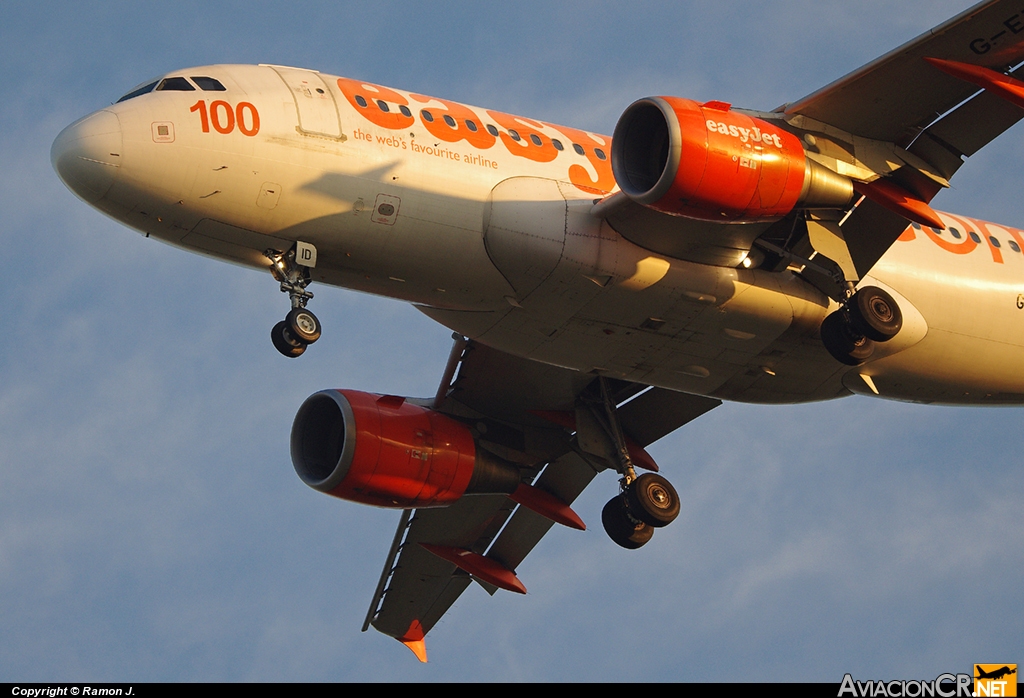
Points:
(501, 393)
(920, 122)
(937, 119)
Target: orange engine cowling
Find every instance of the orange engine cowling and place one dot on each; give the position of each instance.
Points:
(389, 452)
(709, 162)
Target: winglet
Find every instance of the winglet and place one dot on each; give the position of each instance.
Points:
(479, 566)
(1004, 86)
(898, 200)
(413, 639)
(547, 505)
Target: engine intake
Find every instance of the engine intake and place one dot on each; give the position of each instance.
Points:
(706, 161)
(386, 451)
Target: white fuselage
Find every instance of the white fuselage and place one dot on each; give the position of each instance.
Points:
(493, 236)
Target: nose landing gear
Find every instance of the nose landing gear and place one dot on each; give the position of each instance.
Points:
(300, 328)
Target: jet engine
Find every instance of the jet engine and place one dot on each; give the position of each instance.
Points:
(709, 162)
(389, 452)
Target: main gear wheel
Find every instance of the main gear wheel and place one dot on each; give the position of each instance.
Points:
(622, 528)
(875, 314)
(843, 341)
(652, 499)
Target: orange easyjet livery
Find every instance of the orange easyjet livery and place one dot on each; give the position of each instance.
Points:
(602, 290)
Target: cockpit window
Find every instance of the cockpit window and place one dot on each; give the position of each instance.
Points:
(208, 84)
(148, 87)
(175, 84)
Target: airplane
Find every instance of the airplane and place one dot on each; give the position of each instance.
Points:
(995, 673)
(603, 291)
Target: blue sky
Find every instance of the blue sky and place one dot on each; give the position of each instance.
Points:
(152, 527)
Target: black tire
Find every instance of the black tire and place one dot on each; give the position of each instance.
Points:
(303, 324)
(652, 499)
(284, 342)
(843, 342)
(875, 314)
(620, 528)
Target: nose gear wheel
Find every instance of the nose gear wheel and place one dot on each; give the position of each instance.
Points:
(303, 325)
(285, 342)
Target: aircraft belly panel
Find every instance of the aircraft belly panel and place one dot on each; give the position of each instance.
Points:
(598, 302)
(228, 241)
(664, 335)
(947, 368)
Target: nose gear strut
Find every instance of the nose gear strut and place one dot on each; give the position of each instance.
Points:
(300, 328)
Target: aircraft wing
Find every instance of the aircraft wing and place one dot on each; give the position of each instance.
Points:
(896, 96)
(902, 99)
(899, 119)
(499, 393)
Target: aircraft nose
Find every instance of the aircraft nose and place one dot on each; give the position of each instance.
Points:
(87, 155)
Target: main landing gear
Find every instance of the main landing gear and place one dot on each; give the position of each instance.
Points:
(300, 328)
(644, 503)
(870, 315)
